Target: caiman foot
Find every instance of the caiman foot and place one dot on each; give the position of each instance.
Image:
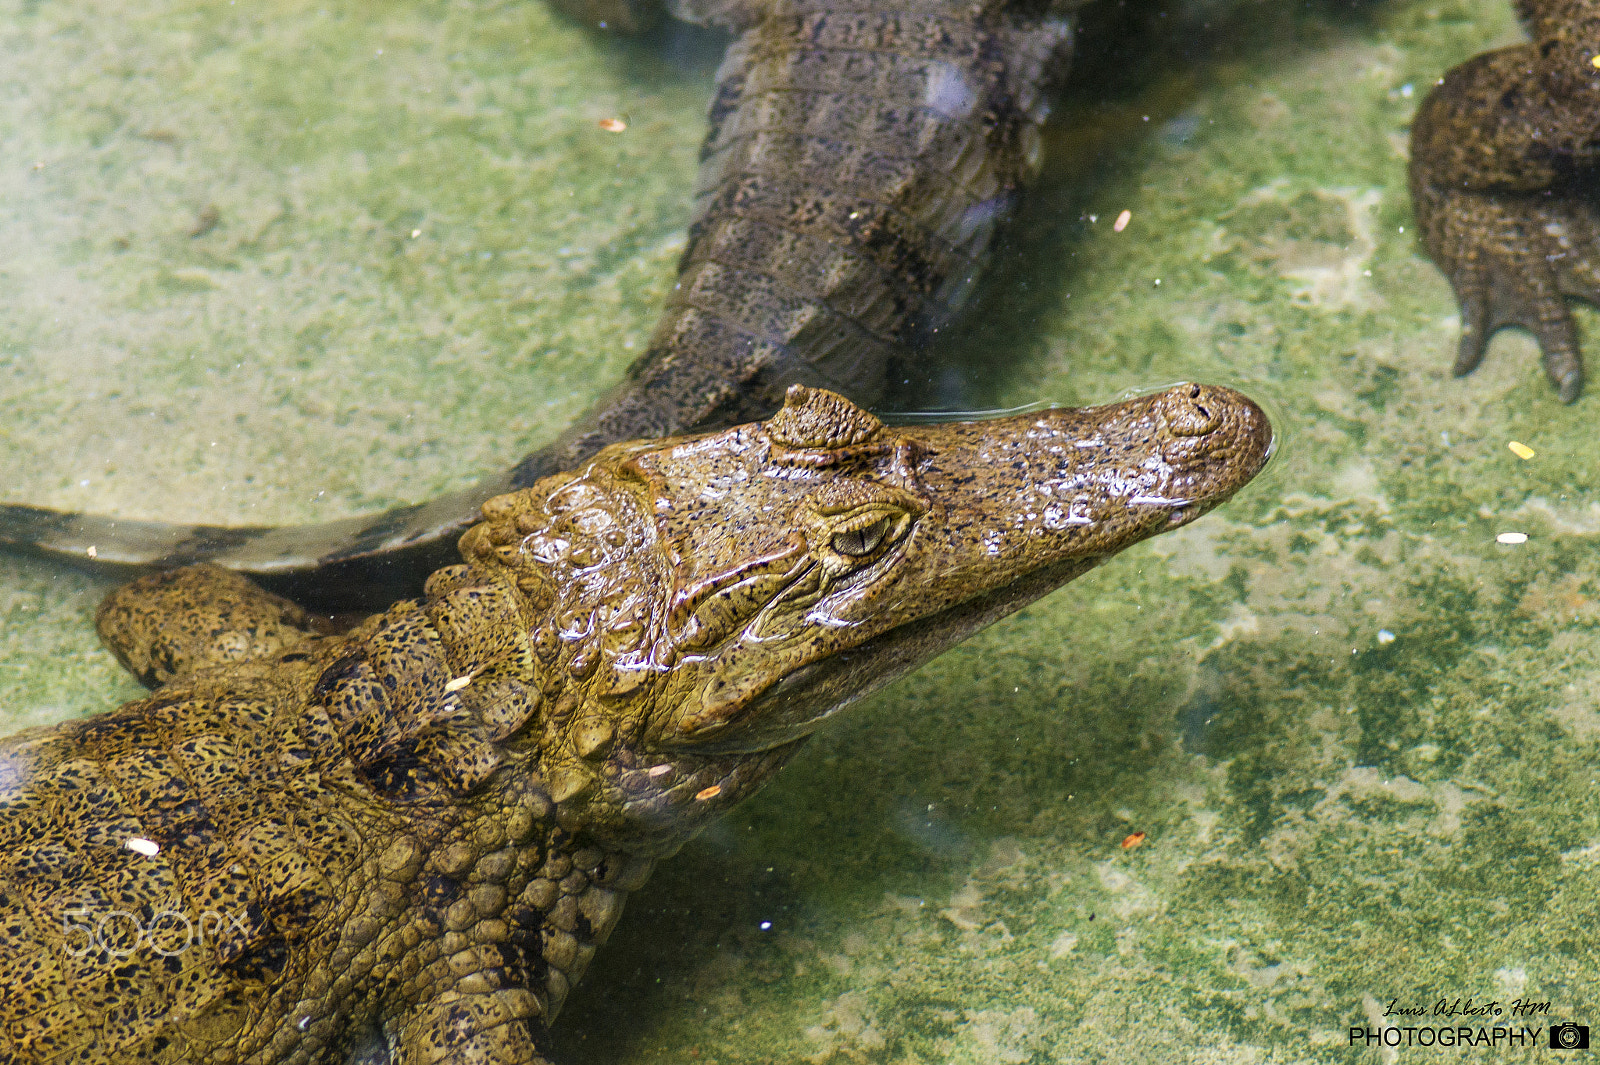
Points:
(495, 1028)
(1512, 259)
(1505, 156)
(168, 624)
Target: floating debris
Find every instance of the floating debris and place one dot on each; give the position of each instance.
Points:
(1521, 450)
(1133, 841)
(92, 553)
(708, 793)
(147, 847)
(1511, 538)
(1385, 636)
(1122, 221)
(613, 125)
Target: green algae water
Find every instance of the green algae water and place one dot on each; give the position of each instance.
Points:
(1332, 747)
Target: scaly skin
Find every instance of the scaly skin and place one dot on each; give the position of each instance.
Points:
(409, 839)
(1503, 172)
(859, 159)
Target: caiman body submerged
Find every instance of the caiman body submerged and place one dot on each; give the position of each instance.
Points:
(414, 836)
(858, 161)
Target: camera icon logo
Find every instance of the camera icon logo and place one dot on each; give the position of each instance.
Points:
(1569, 1036)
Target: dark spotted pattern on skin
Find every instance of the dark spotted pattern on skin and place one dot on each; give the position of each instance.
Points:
(181, 637)
(1503, 179)
(407, 841)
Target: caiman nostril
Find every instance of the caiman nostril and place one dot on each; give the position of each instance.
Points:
(1188, 412)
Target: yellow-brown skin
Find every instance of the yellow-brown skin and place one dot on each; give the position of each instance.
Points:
(411, 838)
(1503, 171)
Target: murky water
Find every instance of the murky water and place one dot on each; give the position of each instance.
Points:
(273, 265)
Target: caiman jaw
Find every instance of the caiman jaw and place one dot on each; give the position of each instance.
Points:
(973, 520)
(695, 606)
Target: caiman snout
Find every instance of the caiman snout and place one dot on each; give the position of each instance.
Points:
(1190, 411)
(1043, 488)
(1217, 436)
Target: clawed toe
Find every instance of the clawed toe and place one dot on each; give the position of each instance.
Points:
(1517, 266)
(1564, 365)
(1475, 331)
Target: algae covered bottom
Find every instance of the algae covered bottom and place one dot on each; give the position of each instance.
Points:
(1357, 733)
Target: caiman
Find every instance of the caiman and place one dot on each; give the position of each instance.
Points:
(410, 838)
(858, 161)
(1505, 168)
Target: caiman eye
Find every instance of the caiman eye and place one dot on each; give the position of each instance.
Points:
(863, 541)
(852, 526)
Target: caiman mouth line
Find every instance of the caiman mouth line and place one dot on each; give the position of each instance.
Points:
(888, 656)
(884, 658)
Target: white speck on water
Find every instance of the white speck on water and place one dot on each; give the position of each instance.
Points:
(1511, 538)
(147, 847)
(1385, 636)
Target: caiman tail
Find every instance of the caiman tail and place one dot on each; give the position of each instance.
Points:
(858, 161)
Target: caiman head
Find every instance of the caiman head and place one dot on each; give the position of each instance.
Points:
(687, 610)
